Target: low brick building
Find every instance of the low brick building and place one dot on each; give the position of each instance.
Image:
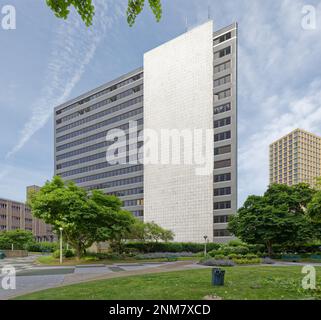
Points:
(16, 215)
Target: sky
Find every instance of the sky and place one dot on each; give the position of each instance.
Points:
(46, 61)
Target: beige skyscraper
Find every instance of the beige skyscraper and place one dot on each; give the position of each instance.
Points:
(295, 158)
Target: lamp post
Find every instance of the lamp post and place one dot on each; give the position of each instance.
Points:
(60, 244)
(205, 251)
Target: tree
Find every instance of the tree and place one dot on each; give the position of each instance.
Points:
(85, 217)
(278, 217)
(137, 231)
(153, 232)
(86, 9)
(20, 239)
(149, 231)
(295, 198)
(167, 235)
(314, 208)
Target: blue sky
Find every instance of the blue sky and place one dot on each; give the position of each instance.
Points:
(47, 61)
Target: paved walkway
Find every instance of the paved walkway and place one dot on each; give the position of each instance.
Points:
(19, 264)
(32, 278)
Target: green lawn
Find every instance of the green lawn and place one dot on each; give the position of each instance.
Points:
(241, 283)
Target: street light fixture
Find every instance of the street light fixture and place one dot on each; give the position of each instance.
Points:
(61, 229)
(205, 251)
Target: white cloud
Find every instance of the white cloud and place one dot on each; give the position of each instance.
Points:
(279, 86)
(74, 47)
(279, 78)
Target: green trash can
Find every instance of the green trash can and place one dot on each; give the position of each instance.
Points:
(218, 277)
(2, 255)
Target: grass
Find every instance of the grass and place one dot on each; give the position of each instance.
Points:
(241, 283)
(51, 261)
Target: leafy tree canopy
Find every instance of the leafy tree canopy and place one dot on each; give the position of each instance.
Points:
(278, 217)
(86, 9)
(20, 239)
(141, 231)
(314, 208)
(294, 198)
(85, 217)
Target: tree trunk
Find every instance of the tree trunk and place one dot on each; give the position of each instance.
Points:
(79, 252)
(269, 248)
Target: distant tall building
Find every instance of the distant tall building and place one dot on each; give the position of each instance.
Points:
(16, 215)
(188, 83)
(295, 158)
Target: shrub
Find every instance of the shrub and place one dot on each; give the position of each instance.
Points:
(106, 256)
(251, 256)
(65, 253)
(172, 259)
(226, 250)
(20, 239)
(234, 256)
(247, 261)
(68, 253)
(220, 257)
(236, 243)
(43, 247)
(162, 255)
(256, 248)
(200, 254)
(212, 253)
(89, 258)
(56, 254)
(147, 247)
(217, 263)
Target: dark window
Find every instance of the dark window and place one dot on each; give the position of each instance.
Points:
(222, 191)
(222, 164)
(127, 192)
(97, 156)
(113, 173)
(107, 122)
(223, 94)
(222, 81)
(221, 233)
(222, 122)
(139, 213)
(94, 137)
(222, 150)
(100, 93)
(222, 136)
(222, 38)
(222, 66)
(222, 53)
(221, 219)
(96, 115)
(222, 205)
(116, 183)
(223, 108)
(222, 177)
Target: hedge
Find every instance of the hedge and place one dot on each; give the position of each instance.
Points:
(43, 247)
(147, 247)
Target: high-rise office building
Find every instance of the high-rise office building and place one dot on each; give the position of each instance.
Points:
(187, 84)
(295, 158)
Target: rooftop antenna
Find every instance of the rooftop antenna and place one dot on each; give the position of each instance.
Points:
(208, 12)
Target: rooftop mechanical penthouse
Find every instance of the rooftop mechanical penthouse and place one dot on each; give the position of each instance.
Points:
(189, 83)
